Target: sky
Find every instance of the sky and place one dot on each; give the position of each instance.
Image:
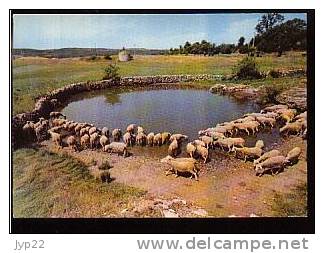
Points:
(161, 31)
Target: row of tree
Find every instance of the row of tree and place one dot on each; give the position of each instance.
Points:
(272, 35)
(203, 48)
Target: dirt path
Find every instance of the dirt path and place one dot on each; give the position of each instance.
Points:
(227, 186)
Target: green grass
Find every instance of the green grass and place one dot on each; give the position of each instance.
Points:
(34, 76)
(291, 204)
(50, 185)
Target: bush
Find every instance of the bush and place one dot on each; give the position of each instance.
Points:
(111, 72)
(270, 92)
(92, 58)
(247, 69)
(107, 57)
(274, 73)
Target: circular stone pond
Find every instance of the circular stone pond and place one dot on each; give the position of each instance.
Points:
(160, 109)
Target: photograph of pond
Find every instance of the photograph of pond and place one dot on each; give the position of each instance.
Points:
(159, 115)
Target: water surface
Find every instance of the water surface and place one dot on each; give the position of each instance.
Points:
(175, 110)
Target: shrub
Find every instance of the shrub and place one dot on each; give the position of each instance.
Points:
(247, 69)
(270, 92)
(92, 58)
(274, 73)
(111, 72)
(107, 57)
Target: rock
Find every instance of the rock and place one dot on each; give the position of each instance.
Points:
(170, 214)
(200, 212)
(182, 201)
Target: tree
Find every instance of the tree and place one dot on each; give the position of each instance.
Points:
(290, 35)
(240, 42)
(268, 21)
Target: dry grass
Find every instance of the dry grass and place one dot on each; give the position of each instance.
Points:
(52, 185)
(34, 76)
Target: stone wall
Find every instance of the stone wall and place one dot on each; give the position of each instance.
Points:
(49, 102)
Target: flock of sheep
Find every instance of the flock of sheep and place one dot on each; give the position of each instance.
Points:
(79, 136)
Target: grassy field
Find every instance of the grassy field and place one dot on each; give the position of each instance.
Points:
(34, 76)
(52, 185)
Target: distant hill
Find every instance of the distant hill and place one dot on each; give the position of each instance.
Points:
(80, 52)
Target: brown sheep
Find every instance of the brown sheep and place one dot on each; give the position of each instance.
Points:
(92, 130)
(56, 137)
(128, 139)
(266, 121)
(94, 140)
(207, 140)
(191, 149)
(29, 130)
(117, 147)
(174, 148)
(83, 131)
(140, 130)
(273, 164)
(287, 114)
(274, 108)
(181, 165)
(104, 140)
(141, 139)
(85, 141)
(259, 144)
(165, 137)
(178, 137)
(293, 127)
(116, 133)
(131, 128)
(150, 139)
(105, 131)
(71, 142)
(202, 152)
(57, 115)
(293, 155)
(199, 142)
(267, 155)
(157, 140)
(254, 152)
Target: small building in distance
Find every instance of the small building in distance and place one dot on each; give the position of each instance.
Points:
(123, 55)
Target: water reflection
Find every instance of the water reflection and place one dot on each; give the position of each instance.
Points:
(175, 110)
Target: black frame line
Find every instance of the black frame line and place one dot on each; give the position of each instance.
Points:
(257, 225)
